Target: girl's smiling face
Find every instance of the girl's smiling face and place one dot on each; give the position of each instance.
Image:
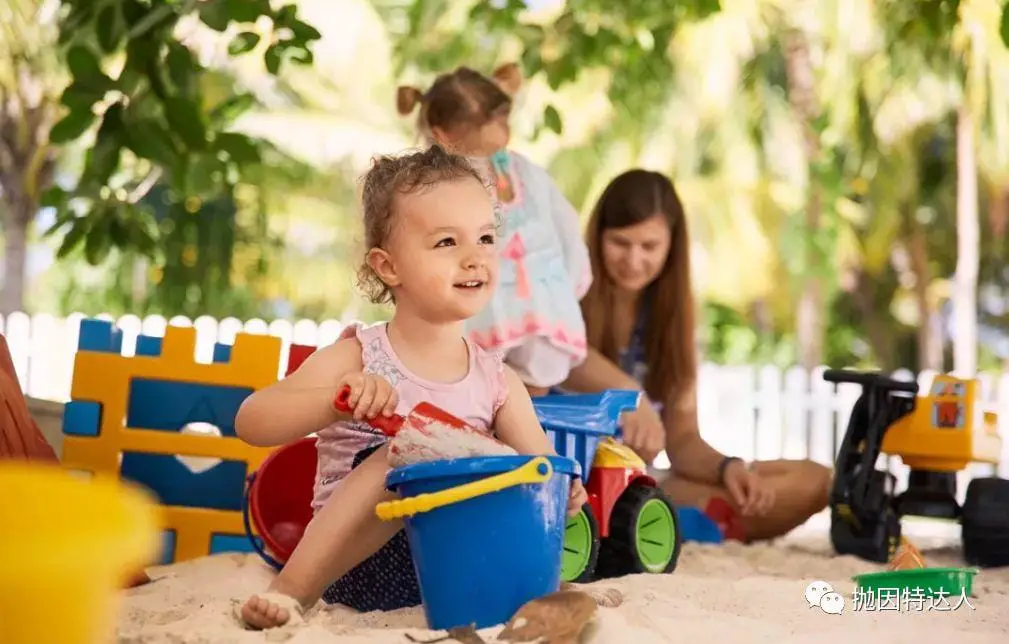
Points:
(441, 259)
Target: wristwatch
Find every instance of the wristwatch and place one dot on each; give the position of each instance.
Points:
(724, 464)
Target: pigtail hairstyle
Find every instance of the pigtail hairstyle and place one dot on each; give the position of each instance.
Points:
(463, 97)
(509, 78)
(407, 98)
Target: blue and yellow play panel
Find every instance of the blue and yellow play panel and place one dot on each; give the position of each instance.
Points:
(126, 416)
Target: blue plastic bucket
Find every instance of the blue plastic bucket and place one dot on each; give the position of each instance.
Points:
(479, 560)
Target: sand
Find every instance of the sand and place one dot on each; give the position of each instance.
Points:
(419, 441)
(726, 593)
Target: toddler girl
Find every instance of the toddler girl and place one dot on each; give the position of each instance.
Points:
(533, 316)
(430, 231)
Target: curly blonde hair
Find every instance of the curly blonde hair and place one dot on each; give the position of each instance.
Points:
(393, 176)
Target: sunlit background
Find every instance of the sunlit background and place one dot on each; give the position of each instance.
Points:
(860, 163)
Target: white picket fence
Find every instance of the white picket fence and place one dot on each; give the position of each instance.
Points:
(750, 411)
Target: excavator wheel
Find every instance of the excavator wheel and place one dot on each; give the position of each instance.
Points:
(985, 522)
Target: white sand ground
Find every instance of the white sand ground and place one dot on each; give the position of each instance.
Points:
(730, 593)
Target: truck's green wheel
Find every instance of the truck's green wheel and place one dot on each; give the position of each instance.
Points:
(581, 547)
(644, 534)
(655, 535)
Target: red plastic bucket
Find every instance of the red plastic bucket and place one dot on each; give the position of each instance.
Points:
(279, 500)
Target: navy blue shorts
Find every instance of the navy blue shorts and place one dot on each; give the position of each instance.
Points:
(384, 581)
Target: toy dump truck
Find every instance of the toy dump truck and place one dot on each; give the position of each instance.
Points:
(628, 525)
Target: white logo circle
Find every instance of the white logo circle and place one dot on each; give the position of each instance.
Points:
(821, 594)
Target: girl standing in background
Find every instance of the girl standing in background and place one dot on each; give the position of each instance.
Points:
(533, 318)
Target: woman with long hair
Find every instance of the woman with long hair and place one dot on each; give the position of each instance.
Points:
(640, 324)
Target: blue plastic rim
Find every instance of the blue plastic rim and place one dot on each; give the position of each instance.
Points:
(478, 561)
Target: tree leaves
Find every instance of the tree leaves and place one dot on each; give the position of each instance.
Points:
(629, 40)
(243, 42)
(89, 86)
(182, 67)
(158, 112)
(231, 108)
(273, 58)
(247, 10)
(214, 14)
(238, 147)
(72, 125)
(83, 64)
(292, 45)
(110, 28)
(148, 138)
(304, 31)
(1004, 25)
(73, 237)
(103, 157)
(80, 96)
(109, 225)
(552, 119)
(185, 119)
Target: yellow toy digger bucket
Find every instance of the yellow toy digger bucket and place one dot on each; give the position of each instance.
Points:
(67, 546)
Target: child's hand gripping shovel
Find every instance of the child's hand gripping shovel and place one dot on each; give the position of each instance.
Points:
(388, 425)
(429, 433)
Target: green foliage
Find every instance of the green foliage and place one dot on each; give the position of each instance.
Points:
(919, 32)
(199, 241)
(729, 337)
(155, 125)
(867, 190)
(1004, 26)
(630, 40)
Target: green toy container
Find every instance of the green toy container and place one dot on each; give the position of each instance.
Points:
(950, 583)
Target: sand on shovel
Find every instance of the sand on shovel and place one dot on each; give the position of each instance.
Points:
(441, 441)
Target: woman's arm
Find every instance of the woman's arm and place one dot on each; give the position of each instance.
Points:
(691, 456)
(643, 429)
(301, 403)
(597, 373)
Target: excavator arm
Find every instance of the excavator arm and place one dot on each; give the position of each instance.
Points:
(863, 520)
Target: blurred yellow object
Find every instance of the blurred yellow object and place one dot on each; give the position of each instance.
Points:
(67, 545)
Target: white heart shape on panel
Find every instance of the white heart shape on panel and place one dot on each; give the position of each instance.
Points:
(199, 464)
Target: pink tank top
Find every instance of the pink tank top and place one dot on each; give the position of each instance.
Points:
(476, 399)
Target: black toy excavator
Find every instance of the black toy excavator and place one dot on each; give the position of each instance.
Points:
(936, 436)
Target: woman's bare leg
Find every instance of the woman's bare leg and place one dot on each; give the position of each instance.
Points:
(344, 533)
(801, 490)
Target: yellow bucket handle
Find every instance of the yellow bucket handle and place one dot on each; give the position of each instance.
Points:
(535, 471)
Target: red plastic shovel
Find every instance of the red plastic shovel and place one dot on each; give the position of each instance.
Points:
(420, 418)
(388, 425)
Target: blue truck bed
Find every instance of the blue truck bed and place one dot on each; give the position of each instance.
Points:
(575, 423)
